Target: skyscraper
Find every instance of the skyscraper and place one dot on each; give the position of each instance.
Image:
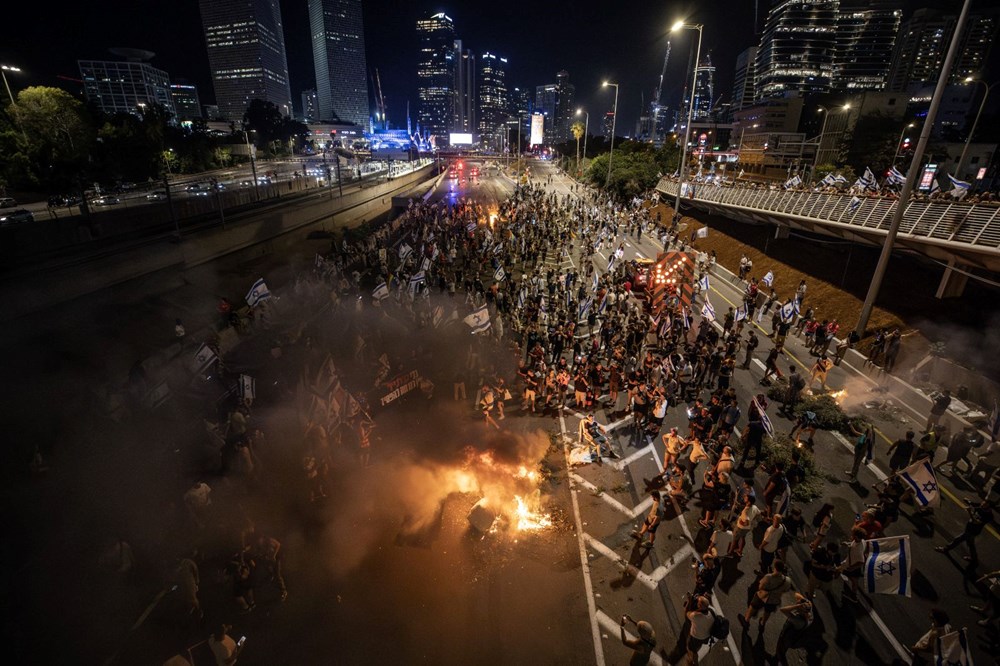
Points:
(464, 118)
(545, 104)
(338, 45)
(797, 48)
(566, 93)
(493, 104)
(246, 53)
(125, 86)
(436, 75)
(743, 79)
(923, 41)
(310, 106)
(187, 106)
(866, 37)
(704, 89)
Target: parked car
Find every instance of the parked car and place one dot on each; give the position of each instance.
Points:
(107, 200)
(158, 195)
(7, 202)
(58, 200)
(16, 216)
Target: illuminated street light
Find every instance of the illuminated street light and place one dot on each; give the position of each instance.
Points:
(614, 121)
(682, 168)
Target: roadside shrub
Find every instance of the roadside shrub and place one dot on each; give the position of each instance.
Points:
(779, 448)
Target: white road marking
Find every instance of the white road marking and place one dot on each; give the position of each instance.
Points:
(625, 462)
(759, 363)
(879, 474)
(903, 653)
(626, 566)
(611, 501)
(612, 627)
(595, 630)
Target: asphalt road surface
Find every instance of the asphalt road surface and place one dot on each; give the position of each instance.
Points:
(363, 587)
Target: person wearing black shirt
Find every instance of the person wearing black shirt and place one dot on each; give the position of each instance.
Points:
(980, 515)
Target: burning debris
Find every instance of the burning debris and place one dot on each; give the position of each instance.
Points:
(510, 493)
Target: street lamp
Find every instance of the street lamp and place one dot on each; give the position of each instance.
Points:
(3, 72)
(742, 132)
(682, 168)
(822, 131)
(900, 142)
(968, 140)
(586, 130)
(614, 121)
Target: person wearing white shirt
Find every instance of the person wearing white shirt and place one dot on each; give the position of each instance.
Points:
(701, 619)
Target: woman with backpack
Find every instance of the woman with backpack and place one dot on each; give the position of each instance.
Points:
(821, 524)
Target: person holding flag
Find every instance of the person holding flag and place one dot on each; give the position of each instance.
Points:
(980, 515)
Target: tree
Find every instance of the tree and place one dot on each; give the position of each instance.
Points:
(872, 143)
(272, 131)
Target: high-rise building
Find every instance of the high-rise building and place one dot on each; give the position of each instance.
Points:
(866, 37)
(704, 89)
(608, 125)
(310, 106)
(187, 106)
(565, 95)
(743, 79)
(555, 101)
(923, 41)
(493, 104)
(125, 86)
(338, 44)
(436, 75)
(246, 53)
(797, 48)
(465, 90)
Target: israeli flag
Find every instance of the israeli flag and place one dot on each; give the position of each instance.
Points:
(500, 275)
(828, 180)
(853, 205)
(203, 358)
(794, 181)
(415, 280)
(381, 291)
(702, 232)
(887, 566)
(404, 252)
(740, 314)
(498, 248)
(707, 311)
(611, 264)
(597, 279)
(543, 305)
(521, 298)
(894, 177)
(258, 292)
(839, 180)
(437, 315)
(479, 320)
(867, 181)
(784, 501)
(665, 325)
(768, 279)
(470, 227)
(687, 317)
(788, 311)
(619, 253)
(604, 304)
(935, 186)
(765, 420)
(959, 188)
(247, 387)
(425, 265)
(952, 649)
(585, 308)
(920, 477)
(703, 283)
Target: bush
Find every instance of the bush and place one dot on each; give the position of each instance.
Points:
(779, 448)
(829, 414)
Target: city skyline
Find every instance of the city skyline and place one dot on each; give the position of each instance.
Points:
(391, 44)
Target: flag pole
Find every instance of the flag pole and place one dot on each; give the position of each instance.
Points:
(912, 174)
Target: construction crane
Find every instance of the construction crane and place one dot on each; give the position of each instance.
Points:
(380, 101)
(656, 106)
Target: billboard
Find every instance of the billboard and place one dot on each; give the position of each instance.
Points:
(927, 177)
(537, 129)
(457, 139)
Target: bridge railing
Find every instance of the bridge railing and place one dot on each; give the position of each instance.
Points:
(941, 222)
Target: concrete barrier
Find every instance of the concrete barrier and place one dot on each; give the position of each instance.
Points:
(36, 288)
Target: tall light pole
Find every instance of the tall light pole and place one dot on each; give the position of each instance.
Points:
(900, 142)
(744, 131)
(965, 150)
(614, 121)
(912, 174)
(586, 130)
(3, 72)
(253, 164)
(822, 131)
(682, 168)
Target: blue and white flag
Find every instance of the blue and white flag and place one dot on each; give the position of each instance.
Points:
(585, 308)
(839, 180)
(794, 181)
(920, 477)
(603, 304)
(498, 248)
(665, 325)
(258, 292)
(707, 311)
(619, 253)
(522, 296)
(425, 265)
(204, 358)
(415, 280)
(247, 387)
(611, 263)
(784, 501)
(479, 320)
(828, 180)
(381, 291)
(543, 305)
(788, 311)
(952, 649)
(895, 177)
(500, 274)
(703, 283)
(470, 227)
(597, 279)
(935, 186)
(765, 420)
(686, 316)
(741, 313)
(853, 204)
(701, 232)
(959, 188)
(867, 181)
(887, 566)
(768, 279)
(404, 252)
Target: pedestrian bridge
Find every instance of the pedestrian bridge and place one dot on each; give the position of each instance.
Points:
(960, 235)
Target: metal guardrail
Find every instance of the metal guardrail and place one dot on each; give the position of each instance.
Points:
(965, 228)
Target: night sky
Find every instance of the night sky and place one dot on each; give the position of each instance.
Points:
(538, 38)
